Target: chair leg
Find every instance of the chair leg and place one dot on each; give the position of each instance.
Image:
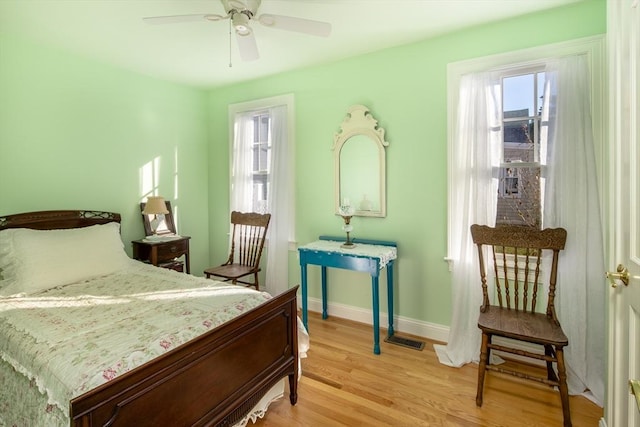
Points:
(551, 374)
(255, 281)
(482, 365)
(564, 390)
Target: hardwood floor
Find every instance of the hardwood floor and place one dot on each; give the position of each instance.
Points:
(344, 384)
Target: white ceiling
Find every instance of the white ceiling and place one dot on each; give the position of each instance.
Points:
(197, 53)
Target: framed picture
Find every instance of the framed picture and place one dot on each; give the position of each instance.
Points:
(166, 225)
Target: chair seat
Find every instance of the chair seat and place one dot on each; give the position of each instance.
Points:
(230, 271)
(531, 327)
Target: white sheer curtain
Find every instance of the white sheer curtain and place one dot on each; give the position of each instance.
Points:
(275, 256)
(278, 203)
(241, 178)
(572, 202)
(476, 154)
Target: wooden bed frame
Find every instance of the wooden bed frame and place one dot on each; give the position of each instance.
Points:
(212, 380)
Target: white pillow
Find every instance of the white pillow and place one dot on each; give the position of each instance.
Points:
(35, 260)
(6, 259)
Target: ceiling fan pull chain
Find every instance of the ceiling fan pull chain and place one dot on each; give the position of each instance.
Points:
(230, 25)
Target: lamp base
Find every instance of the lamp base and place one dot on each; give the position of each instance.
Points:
(348, 244)
(154, 236)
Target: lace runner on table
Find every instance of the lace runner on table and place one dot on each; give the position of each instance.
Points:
(384, 253)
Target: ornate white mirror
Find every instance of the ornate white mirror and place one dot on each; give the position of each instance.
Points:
(359, 152)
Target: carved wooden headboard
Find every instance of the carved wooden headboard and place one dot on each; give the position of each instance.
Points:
(52, 220)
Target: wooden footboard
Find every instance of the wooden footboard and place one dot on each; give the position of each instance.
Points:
(214, 379)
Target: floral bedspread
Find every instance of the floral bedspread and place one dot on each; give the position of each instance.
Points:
(70, 339)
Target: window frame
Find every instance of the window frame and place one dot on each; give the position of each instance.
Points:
(261, 174)
(525, 208)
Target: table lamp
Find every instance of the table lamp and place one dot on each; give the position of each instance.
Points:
(155, 206)
(346, 212)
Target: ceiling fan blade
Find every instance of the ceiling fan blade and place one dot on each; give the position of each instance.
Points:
(173, 19)
(247, 46)
(300, 25)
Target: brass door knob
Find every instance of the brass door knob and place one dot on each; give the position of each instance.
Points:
(621, 274)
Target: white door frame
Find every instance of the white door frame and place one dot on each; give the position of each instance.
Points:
(623, 31)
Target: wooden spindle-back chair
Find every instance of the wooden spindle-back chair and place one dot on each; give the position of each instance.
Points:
(247, 241)
(516, 257)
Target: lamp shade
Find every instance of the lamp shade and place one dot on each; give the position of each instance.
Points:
(155, 205)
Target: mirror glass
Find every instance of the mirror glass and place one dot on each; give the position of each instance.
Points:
(360, 174)
(360, 164)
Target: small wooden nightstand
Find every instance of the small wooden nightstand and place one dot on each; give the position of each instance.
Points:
(163, 254)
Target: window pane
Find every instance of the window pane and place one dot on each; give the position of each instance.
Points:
(264, 159)
(541, 81)
(520, 131)
(519, 196)
(519, 153)
(260, 193)
(255, 158)
(260, 158)
(256, 128)
(264, 128)
(518, 96)
(260, 155)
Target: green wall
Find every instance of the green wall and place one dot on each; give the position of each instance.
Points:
(405, 89)
(77, 134)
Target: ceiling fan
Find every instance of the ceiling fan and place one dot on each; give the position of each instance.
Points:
(241, 13)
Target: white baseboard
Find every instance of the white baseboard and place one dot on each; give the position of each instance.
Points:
(401, 324)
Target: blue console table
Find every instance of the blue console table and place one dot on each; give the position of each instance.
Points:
(369, 256)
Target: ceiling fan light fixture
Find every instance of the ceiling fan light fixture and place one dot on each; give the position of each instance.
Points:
(240, 22)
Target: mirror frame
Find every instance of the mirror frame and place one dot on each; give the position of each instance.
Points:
(168, 224)
(360, 121)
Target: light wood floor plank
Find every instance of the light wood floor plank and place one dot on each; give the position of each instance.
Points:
(345, 384)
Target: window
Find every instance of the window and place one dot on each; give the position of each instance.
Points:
(261, 159)
(262, 179)
(262, 155)
(259, 135)
(519, 191)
